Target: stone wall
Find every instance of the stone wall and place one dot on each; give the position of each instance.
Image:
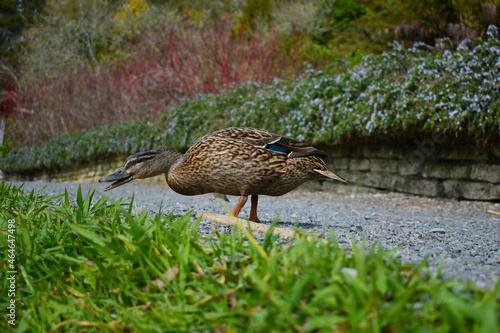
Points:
(422, 169)
(462, 173)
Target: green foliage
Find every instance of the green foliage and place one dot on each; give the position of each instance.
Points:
(76, 41)
(385, 15)
(326, 32)
(204, 10)
(333, 26)
(128, 17)
(5, 149)
(438, 13)
(255, 16)
(69, 34)
(15, 17)
(68, 150)
(11, 24)
(400, 96)
(256, 10)
(93, 264)
(74, 34)
(337, 16)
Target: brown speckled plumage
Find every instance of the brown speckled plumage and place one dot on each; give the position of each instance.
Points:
(234, 161)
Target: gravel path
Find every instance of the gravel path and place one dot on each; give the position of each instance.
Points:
(461, 233)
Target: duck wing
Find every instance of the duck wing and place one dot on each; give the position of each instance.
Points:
(271, 141)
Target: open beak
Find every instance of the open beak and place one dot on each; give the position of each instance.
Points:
(120, 177)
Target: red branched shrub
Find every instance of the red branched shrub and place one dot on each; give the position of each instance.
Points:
(173, 61)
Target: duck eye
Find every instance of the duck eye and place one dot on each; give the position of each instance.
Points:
(139, 160)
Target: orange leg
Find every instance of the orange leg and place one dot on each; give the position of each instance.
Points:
(253, 209)
(241, 202)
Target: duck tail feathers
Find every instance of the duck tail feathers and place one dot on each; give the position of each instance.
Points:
(330, 175)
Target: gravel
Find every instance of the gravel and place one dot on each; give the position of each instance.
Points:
(462, 235)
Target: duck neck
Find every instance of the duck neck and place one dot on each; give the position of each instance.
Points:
(167, 160)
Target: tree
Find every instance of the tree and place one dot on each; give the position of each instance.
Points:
(69, 34)
(15, 16)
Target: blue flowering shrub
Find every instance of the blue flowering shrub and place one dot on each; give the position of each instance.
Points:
(402, 93)
(399, 95)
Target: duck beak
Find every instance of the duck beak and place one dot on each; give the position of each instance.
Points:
(119, 178)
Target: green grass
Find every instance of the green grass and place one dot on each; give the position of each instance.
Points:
(98, 266)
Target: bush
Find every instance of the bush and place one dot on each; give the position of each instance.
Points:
(173, 61)
(5, 149)
(68, 150)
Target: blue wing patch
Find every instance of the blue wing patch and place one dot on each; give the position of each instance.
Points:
(277, 149)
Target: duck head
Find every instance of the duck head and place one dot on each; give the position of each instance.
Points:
(142, 165)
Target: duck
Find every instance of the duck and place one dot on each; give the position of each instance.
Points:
(237, 161)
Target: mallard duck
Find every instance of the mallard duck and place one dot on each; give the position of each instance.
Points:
(233, 161)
